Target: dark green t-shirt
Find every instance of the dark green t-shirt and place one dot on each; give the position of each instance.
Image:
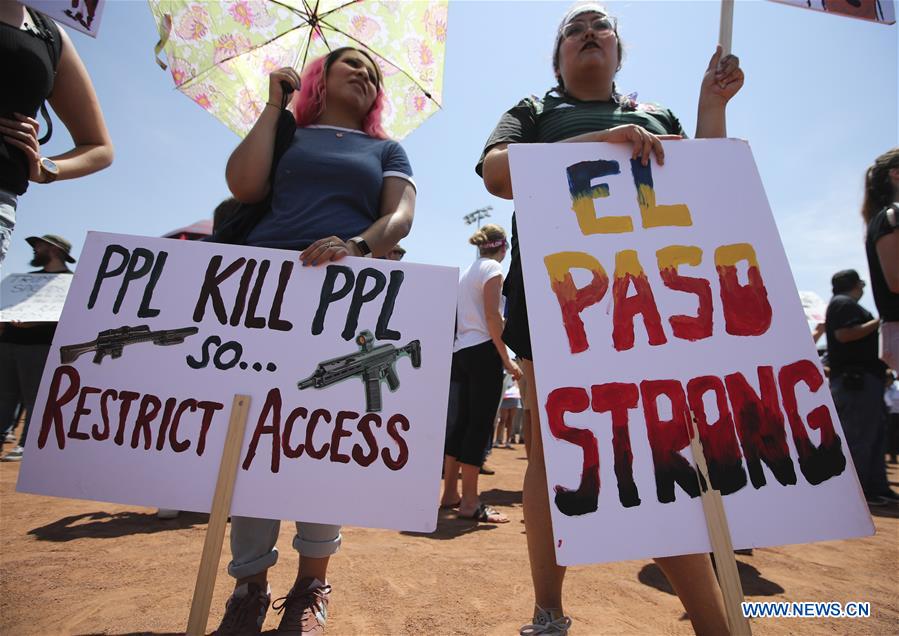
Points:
(554, 118)
(558, 117)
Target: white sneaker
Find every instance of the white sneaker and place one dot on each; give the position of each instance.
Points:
(544, 624)
(15, 455)
(166, 513)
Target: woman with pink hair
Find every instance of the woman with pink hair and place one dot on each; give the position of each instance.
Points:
(328, 182)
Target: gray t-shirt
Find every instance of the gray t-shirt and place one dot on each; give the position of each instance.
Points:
(328, 183)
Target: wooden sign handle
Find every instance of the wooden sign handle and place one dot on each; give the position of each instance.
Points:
(218, 518)
(726, 27)
(719, 536)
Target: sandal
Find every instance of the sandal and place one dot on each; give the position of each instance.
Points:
(450, 506)
(485, 514)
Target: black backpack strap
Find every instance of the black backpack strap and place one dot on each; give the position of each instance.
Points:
(49, 33)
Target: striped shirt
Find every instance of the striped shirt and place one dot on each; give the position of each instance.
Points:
(555, 118)
(558, 117)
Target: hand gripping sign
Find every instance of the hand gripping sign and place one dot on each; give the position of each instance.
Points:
(157, 337)
(657, 294)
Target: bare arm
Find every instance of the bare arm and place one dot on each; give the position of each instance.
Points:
(722, 80)
(856, 332)
(498, 176)
(75, 102)
(397, 211)
(888, 255)
(249, 165)
(492, 291)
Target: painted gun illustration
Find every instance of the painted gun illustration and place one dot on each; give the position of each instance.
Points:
(373, 363)
(112, 341)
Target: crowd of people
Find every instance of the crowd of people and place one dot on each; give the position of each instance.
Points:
(863, 351)
(318, 175)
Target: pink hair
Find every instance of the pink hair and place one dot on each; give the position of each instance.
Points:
(309, 104)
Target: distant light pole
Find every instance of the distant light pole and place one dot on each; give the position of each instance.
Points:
(476, 217)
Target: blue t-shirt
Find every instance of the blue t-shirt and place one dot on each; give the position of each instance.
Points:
(328, 183)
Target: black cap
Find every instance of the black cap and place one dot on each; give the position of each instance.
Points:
(844, 280)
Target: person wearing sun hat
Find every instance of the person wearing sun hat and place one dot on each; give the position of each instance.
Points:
(24, 346)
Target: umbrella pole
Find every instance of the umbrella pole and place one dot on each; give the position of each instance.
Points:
(218, 518)
(719, 537)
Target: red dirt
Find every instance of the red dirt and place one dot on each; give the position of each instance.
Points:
(81, 567)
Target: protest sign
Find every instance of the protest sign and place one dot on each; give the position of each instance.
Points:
(33, 297)
(81, 15)
(874, 10)
(346, 365)
(656, 291)
(814, 307)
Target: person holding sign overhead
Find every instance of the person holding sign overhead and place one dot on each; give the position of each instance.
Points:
(325, 180)
(585, 106)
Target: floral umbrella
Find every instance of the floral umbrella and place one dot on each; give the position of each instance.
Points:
(221, 53)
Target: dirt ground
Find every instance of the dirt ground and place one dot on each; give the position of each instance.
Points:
(81, 567)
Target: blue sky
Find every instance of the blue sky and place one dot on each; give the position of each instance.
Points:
(820, 102)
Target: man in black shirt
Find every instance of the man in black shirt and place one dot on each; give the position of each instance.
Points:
(24, 346)
(856, 382)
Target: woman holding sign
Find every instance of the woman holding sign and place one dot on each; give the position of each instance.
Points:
(327, 181)
(586, 107)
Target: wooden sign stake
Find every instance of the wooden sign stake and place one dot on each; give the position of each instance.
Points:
(218, 518)
(719, 536)
(726, 27)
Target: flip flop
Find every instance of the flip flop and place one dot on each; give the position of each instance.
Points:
(450, 506)
(485, 514)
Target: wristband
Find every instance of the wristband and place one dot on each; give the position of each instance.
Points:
(274, 105)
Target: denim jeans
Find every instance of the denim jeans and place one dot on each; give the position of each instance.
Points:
(21, 368)
(253, 543)
(889, 344)
(7, 220)
(863, 415)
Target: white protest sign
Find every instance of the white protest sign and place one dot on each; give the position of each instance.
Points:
(814, 307)
(81, 15)
(652, 291)
(33, 297)
(882, 11)
(347, 366)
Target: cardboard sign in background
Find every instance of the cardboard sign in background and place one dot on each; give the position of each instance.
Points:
(740, 351)
(81, 15)
(33, 297)
(318, 456)
(882, 11)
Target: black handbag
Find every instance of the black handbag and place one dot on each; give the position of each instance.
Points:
(237, 228)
